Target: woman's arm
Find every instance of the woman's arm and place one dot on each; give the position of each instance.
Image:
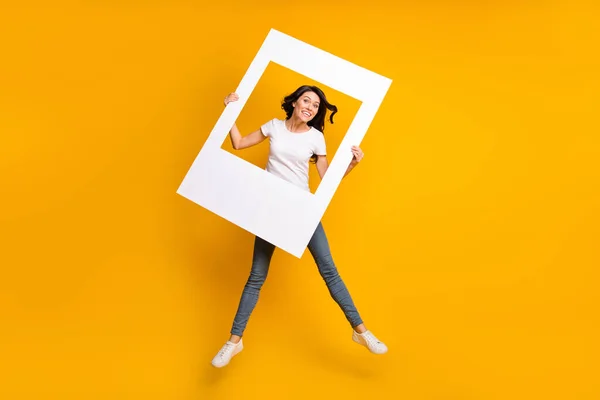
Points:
(242, 142)
(237, 140)
(322, 163)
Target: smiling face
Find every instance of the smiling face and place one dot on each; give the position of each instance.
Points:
(307, 106)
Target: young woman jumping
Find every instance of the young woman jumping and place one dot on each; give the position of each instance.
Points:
(294, 142)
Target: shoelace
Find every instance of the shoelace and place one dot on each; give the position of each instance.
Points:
(228, 348)
(371, 338)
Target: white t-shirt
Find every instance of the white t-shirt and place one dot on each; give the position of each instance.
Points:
(289, 152)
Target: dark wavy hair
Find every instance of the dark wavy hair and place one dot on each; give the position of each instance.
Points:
(318, 122)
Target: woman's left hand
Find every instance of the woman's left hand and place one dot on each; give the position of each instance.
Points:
(358, 155)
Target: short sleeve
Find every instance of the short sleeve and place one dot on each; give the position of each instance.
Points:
(320, 148)
(268, 128)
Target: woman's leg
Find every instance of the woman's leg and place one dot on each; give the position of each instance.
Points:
(263, 251)
(319, 248)
(261, 259)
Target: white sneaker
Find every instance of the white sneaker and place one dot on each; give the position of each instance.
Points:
(224, 355)
(369, 340)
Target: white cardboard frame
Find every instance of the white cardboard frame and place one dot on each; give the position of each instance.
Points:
(253, 198)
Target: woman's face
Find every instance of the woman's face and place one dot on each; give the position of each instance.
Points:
(307, 106)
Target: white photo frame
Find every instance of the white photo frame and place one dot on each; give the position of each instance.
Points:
(256, 200)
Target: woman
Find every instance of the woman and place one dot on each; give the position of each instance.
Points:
(293, 142)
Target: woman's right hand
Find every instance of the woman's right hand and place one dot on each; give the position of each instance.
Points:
(231, 97)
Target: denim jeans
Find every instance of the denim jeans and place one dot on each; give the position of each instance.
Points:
(319, 249)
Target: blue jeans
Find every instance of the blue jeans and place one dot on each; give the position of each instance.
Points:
(319, 248)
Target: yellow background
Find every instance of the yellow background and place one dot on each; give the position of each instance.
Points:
(468, 236)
